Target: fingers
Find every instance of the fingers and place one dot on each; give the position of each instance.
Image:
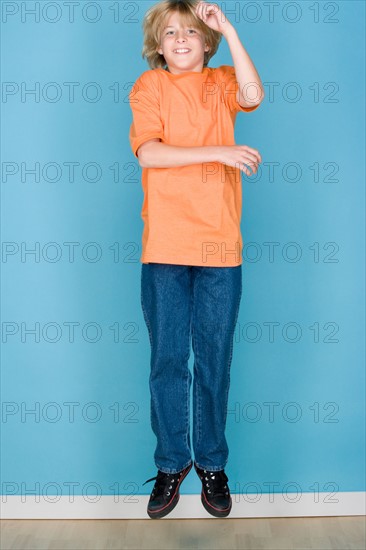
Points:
(253, 167)
(199, 11)
(253, 152)
(243, 157)
(243, 164)
(245, 170)
(203, 9)
(251, 160)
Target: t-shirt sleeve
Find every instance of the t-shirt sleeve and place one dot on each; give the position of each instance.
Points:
(229, 85)
(144, 102)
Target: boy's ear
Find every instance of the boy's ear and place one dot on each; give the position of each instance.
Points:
(159, 50)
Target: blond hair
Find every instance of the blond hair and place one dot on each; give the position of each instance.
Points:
(153, 23)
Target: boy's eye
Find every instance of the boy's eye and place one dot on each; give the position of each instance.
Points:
(192, 30)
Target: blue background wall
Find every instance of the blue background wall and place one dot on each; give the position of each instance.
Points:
(311, 208)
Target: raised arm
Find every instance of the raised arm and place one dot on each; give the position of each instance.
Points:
(246, 73)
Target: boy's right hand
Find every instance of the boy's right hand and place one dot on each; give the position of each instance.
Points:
(238, 156)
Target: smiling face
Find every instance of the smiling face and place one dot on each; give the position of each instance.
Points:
(183, 46)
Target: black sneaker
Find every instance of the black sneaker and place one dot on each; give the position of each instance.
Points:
(215, 495)
(165, 494)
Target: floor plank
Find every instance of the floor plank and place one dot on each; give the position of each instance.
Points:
(314, 533)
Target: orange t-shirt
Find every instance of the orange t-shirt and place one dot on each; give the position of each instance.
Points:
(191, 213)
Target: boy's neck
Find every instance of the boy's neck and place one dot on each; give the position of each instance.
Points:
(167, 69)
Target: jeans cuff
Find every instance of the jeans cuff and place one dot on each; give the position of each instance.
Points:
(173, 470)
(211, 468)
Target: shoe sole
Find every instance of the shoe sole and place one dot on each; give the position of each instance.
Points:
(216, 512)
(167, 508)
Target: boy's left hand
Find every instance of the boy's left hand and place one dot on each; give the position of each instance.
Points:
(213, 17)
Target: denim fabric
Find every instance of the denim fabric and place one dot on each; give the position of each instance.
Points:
(181, 302)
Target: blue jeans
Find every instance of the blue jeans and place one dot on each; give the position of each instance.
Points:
(180, 301)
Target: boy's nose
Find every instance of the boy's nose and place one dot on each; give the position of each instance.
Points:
(181, 37)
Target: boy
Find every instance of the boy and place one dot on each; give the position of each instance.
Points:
(191, 280)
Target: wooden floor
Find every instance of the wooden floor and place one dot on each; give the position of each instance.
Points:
(317, 533)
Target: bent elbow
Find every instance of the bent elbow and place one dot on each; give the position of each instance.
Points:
(260, 100)
(141, 157)
(263, 95)
(145, 155)
(255, 105)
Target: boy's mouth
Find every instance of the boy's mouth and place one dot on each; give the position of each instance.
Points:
(181, 51)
